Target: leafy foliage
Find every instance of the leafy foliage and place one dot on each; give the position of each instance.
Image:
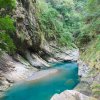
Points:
(6, 23)
(6, 43)
(8, 4)
(7, 26)
(90, 22)
(58, 20)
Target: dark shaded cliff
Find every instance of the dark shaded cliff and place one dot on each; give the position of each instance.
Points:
(26, 36)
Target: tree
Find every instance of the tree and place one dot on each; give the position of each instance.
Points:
(7, 4)
(90, 21)
(58, 20)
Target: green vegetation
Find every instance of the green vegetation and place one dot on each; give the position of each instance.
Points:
(96, 89)
(6, 42)
(89, 38)
(6, 23)
(6, 26)
(68, 22)
(58, 21)
(7, 4)
(92, 53)
(90, 33)
(90, 22)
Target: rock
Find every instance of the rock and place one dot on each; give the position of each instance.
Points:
(39, 59)
(83, 68)
(64, 54)
(36, 60)
(3, 88)
(61, 53)
(26, 36)
(10, 81)
(71, 95)
(84, 87)
(97, 78)
(3, 81)
(12, 71)
(52, 60)
(89, 76)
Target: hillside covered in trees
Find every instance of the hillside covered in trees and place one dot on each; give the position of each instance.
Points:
(33, 29)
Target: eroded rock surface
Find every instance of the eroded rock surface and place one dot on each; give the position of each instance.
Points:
(89, 81)
(71, 95)
(12, 71)
(26, 36)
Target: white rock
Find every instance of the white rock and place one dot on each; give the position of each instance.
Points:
(71, 95)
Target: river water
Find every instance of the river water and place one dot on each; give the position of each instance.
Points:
(45, 88)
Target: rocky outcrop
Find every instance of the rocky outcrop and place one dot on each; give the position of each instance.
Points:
(12, 71)
(90, 84)
(60, 53)
(71, 95)
(84, 69)
(89, 81)
(26, 36)
(36, 61)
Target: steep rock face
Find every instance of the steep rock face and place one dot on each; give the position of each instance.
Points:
(26, 36)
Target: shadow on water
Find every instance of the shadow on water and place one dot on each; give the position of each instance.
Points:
(45, 88)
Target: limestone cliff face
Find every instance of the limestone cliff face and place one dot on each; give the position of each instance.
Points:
(26, 36)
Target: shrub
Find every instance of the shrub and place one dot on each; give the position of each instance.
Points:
(7, 26)
(8, 4)
(6, 43)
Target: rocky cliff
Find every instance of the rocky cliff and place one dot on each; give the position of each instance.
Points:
(26, 36)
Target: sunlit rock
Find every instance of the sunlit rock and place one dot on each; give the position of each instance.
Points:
(71, 95)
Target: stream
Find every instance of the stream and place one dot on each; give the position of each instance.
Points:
(45, 88)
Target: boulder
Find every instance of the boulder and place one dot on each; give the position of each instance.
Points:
(71, 95)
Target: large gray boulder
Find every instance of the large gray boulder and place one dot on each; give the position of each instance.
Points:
(71, 95)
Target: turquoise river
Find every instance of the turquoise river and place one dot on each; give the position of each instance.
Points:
(45, 88)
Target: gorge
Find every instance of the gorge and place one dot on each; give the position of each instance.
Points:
(47, 47)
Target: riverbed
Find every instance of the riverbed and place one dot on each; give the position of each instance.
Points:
(64, 76)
